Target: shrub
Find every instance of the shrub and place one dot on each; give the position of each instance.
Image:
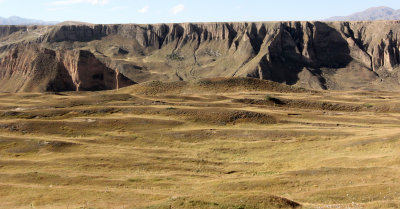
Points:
(175, 56)
(274, 100)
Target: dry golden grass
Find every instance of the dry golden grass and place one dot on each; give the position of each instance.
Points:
(230, 149)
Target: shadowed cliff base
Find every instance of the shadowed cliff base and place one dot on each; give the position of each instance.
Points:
(316, 55)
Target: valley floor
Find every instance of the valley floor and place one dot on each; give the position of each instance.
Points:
(269, 149)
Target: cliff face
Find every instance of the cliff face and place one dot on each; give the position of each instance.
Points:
(32, 69)
(89, 74)
(377, 40)
(333, 55)
(7, 30)
(36, 69)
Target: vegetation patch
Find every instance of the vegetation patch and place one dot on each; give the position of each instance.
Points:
(318, 105)
(175, 57)
(231, 202)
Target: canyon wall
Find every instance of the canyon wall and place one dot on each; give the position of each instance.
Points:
(35, 69)
(319, 55)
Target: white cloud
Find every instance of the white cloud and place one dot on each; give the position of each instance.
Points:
(69, 2)
(144, 9)
(119, 8)
(177, 9)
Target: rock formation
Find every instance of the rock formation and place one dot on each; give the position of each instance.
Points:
(35, 69)
(331, 55)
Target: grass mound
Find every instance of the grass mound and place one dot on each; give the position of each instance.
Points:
(317, 105)
(210, 115)
(16, 145)
(244, 84)
(211, 85)
(224, 117)
(231, 202)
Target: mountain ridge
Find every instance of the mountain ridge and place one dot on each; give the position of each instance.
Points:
(370, 14)
(310, 54)
(15, 20)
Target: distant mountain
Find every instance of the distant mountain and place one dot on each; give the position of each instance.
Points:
(374, 13)
(14, 20)
(74, 23)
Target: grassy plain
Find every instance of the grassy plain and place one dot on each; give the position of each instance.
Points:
(237, 143)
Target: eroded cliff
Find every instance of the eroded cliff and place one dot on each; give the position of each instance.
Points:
(323, 55)
(36, 69)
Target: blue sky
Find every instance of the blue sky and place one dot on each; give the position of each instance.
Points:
(156, 11)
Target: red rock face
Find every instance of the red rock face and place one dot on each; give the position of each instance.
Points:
(89, 74)
(35, 69)
(31, 69)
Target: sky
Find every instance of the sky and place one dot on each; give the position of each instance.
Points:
(167, 11)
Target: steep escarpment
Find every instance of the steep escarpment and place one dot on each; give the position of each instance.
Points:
(7, 30)
(379, 41)
(36, 69)
(30, 69)
(89, 74)
(321, 55)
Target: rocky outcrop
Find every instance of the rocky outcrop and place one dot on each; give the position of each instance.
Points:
(386, 54)
(331, 55)
(89, 74)
(35, 69)
(10, 29)
(30, 69)
(377, 40)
